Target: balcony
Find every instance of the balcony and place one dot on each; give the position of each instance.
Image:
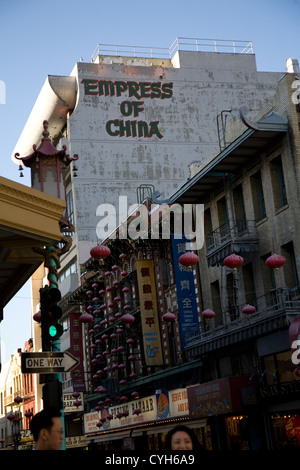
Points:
(274, 310)
(238, 236)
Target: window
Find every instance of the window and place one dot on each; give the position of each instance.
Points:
(71, 269)
(258, 196)
(278, 184)
(208, 229)
(70, 210)
(216, 302)
(249, 286)
(239, 209)
(290, 267)
(223, 219)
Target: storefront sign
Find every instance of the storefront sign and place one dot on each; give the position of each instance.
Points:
(163, 405)
(285, 389)
(149, 316)
(152, 409)
(128, 108)
(90, 422)
(75, 441)
(186, 295)
(216, 397)
(179, 405)
(69, 406)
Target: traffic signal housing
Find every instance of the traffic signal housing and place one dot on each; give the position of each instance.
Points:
(50, 314)
(52, 395)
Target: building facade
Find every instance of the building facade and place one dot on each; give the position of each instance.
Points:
(138, 125)
(240, 380)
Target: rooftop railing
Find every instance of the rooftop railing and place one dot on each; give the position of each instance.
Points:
(180, 43)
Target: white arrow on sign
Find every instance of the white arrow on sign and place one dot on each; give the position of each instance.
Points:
(69, 361)
(48, 362)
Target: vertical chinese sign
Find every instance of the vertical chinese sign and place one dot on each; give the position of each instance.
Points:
(76, 350)
(186, 294)
(149, 315)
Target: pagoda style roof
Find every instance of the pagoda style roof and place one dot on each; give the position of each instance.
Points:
(46, 149)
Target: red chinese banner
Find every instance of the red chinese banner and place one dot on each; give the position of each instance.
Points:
(149, 315)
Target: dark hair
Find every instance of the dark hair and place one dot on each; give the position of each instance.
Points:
(43, 420)
(181, 427)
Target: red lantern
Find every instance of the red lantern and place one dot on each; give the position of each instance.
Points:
(77, 403)
(137, 411)
(123, 256)
(208, 313)
(28, 414)
(100, 252)
(233, 261)
(86, 318)
(188, 259)
(133, 375)
(248, 309)
(275, 261)
(127, 319)
(169, 316)
(37, 316)
(294, 330)
(135, 395)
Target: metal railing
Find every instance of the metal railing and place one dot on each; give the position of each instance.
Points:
(274, 301)
(130, 51)
(231, 230)
(180, 44)
(211, 45)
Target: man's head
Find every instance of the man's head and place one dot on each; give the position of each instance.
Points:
(47, 429)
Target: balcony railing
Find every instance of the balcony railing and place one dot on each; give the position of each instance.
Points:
(233, 236)
(277, 302)
(230, 231)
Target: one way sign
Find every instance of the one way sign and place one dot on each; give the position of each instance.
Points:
(47, 362)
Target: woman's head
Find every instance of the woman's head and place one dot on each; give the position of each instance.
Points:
(181, 438)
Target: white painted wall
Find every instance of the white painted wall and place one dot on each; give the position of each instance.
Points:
(204, 84)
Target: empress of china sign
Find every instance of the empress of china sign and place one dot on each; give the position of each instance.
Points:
(130, 108)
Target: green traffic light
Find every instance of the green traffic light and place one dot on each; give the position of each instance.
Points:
(52, 330)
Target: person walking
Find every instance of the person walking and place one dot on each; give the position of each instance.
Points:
(47, 429)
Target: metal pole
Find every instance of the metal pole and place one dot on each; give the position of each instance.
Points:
(56, 344)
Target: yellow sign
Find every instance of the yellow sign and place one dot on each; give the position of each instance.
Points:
(149, 315)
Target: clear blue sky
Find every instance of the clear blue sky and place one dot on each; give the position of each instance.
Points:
(47, 38)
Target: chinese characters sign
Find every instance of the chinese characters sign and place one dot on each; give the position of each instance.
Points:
(186, 294)
(149, 316)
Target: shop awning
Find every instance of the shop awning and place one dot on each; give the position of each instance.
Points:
(150, 428)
